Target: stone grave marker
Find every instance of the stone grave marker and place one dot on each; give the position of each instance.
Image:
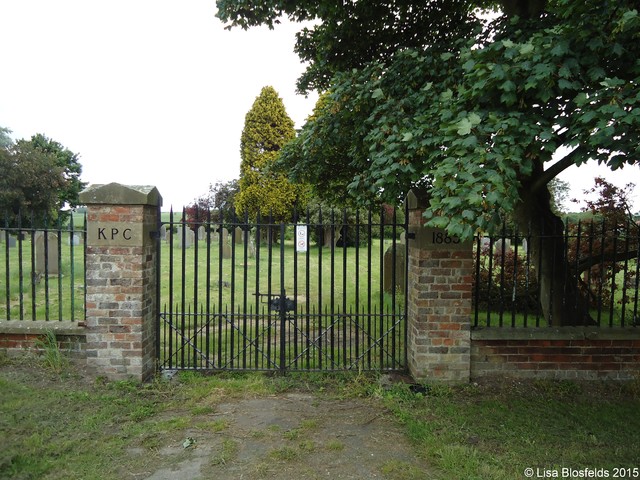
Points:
(387, 269)
(52, 267)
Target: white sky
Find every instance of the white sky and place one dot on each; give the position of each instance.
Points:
(154, 92)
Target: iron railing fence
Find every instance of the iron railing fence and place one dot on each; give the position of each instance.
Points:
(321, 291)
(596, 277)
(42, 267)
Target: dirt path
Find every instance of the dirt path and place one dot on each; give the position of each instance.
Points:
(294, 436)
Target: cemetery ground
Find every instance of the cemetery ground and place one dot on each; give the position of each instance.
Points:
(57, 423)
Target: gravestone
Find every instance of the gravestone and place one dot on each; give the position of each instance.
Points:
(12, 241)
(252, 247)
(502, 246)
(400, 266)
(202, 232)
(163, 232)
(224, 240)
(525, 246)
(75, 240)
(51, 248)
(239, 236)
(189, 238)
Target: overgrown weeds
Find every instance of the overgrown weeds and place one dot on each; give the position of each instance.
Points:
(52, 356)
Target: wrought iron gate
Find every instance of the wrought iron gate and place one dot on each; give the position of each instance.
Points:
(324, 292)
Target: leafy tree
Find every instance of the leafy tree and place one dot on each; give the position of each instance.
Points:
(267, 130)
(39, 176)
(484, 112)
(216, 205)
(69, 162)
(5, 139)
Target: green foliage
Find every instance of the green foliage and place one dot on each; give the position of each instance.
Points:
(5, 139)
(267, 130)
(475, 113)
(38, 175)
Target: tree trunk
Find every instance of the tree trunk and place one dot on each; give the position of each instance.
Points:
(560, 299)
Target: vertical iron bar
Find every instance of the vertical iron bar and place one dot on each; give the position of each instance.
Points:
(72, 267)
(332, 278)
(476, 312)
(394, 285)
(46, 269)
(601, 280)
(308, 293)
(20, 266)
(257, 280)
(158, 241)
(283, 305)
(503, 259)
(320, 322)
(624, 276)
(183, 293)
(369, 286)
(345, 318)
(613, 273)
(269, 279)
(540, 272)
(577, 261)
(294, 315)
(406, 284)
(59, 255)
(514, 292)
(233, 284)
(357, 286)
(7, 272)
(208, 284)
(169, 319)
(245, 290)
(490, 281)
(195, 286)
(635, 319)
(380, 335)
(33, 268)
(221, 330)
(527, 274)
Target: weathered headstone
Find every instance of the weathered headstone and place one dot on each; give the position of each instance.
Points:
(525, 246)
(48, 249)
(239, 236)
(75, 240)
(252, 247)
(502, 246)
(202, 232)
(12, 241)
(163, 232)
(224, 240)
(389, 282)
(189, 237)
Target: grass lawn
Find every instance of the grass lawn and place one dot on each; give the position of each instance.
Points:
(57, 423)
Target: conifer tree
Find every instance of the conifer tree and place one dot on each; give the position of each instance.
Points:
(267, 130)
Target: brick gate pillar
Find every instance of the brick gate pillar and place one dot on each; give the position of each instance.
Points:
(440, 275)
(121, 304)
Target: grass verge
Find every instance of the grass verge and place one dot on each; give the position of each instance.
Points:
(59, 424)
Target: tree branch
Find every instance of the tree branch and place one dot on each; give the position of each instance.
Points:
(554, 170)
(594, 260)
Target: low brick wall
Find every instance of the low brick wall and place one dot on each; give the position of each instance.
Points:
(20, 337)
(556, 353)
